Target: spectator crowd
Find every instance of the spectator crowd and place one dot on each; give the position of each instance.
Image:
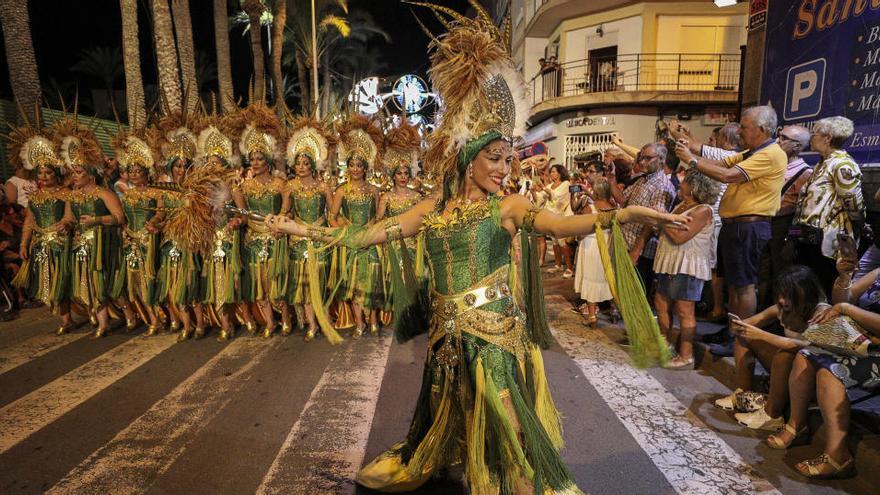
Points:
(779, 250)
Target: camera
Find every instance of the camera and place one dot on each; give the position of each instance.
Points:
(575, 188)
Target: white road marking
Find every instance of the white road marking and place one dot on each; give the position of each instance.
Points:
(16, 355)
(145, 449)
(326, 445)
(20, 419)
(693, 458)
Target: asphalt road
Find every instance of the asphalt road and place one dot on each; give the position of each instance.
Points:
(131, 414)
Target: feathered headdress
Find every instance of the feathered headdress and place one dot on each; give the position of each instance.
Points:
(483, 95)
(78, 144)
(360, 137)
(308, 137)
(260, 130)
(401, 148)
(132, 149)
(175, 140)
(215, 135)
(29, 149)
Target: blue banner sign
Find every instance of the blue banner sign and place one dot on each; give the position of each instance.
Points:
(822, 58)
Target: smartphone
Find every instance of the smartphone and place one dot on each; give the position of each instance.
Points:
(847, 246)
(734, 317)
(575, 188)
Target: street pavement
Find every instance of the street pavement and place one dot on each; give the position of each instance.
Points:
(131, 414)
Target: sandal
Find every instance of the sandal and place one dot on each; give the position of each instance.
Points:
(798, 437)
(679, 364)
(824, 467)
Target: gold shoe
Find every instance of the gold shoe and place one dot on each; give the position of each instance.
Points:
(251, 327)
(224, 335)
(374, 329)
(267, 332)
(359, 331)
(175, 326)
(286, 329)
(310, 335)
(131, 324)
(93, 319)
(62, 330)
(100, 332)
(153, 330)
(184, 335)
(200, 332)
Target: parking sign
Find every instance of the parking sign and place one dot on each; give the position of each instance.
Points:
(803, 90)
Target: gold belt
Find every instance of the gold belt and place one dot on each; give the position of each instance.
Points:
(450, 306)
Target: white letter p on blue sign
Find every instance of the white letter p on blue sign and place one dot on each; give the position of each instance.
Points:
(804, 87)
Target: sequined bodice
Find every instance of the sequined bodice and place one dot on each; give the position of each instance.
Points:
(82, 203)
(359, 207)
(47, 208)
(139, 207)
(309, 203)
(465, 247)
(398, 205)
(263, 198)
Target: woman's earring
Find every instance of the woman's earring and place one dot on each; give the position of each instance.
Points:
(470, 171)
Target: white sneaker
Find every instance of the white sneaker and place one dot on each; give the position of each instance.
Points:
(729, 402)
(760, 420)
(567, 274)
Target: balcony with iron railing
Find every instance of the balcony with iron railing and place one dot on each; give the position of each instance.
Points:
(634, 79)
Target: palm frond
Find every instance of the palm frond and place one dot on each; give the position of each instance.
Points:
(340, 23)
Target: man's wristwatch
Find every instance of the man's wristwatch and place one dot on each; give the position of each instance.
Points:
(692, 163)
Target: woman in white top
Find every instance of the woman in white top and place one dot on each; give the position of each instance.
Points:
(558, 200)
(682, 265)
(19, 186)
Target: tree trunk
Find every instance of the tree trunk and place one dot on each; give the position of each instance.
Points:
(254, 9)
(280, 22)
(328, 85)
(166, 54)
(224, 65)
(131, 57)
(185, 50)
(303, 78)
(20, 56)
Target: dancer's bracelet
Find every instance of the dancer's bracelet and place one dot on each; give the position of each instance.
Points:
(529, 219)
(317, 233)
(843, 282)
(393, 231)
(604, 218)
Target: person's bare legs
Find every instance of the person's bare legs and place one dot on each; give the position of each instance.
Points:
(801, 391)
(542, 250)
(717, 286)
(688, 325)
(664, 315)
(557, 255)
(834, 404)
(744, 364)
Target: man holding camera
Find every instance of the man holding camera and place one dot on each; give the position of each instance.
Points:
(755, 179)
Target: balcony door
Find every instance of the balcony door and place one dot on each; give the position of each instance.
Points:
(603, 69)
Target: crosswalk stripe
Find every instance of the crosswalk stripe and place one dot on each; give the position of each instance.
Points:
(16, 355)
(691, 456)
(139, 454)
(30, 413)
(326, 445)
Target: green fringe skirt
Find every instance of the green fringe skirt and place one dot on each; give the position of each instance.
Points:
(179, 280)
(46, 274)
(98, 274)
(361, 278)
(298, 277)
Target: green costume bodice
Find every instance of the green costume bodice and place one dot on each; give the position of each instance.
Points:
(263, 198)
(47, 208)
(139, 206)
(398, 205)
(309, 203)
(465, 247)
(90, 203)
(359, 207)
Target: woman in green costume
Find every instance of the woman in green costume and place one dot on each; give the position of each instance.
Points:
(140, 233)
(354, 204)
(98, 275)
(45, 241)
(484, 402)
(179, 281)
(265, 259)
(222, 266)
(305, 202)
(401, 155)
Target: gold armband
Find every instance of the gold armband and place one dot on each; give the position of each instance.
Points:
(604, 218)
(529, 219)
(313, 232)
(393, 231)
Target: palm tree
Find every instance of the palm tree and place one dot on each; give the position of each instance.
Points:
(206, 70)
(104, 64)
(224, 65)
(255, 10)
(20, 54)
(186, 52)
(166, 54)
(279, 24)
(131, 56)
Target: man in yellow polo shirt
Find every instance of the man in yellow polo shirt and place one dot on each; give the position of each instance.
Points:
(755, 179)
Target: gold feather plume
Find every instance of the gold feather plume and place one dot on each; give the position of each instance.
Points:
(203, 192)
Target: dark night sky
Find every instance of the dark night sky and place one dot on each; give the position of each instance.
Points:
(61, 28)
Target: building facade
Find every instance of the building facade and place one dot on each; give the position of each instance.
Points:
(599, 67)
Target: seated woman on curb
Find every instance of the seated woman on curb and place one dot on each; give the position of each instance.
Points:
(799, 298)
(825, 372)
